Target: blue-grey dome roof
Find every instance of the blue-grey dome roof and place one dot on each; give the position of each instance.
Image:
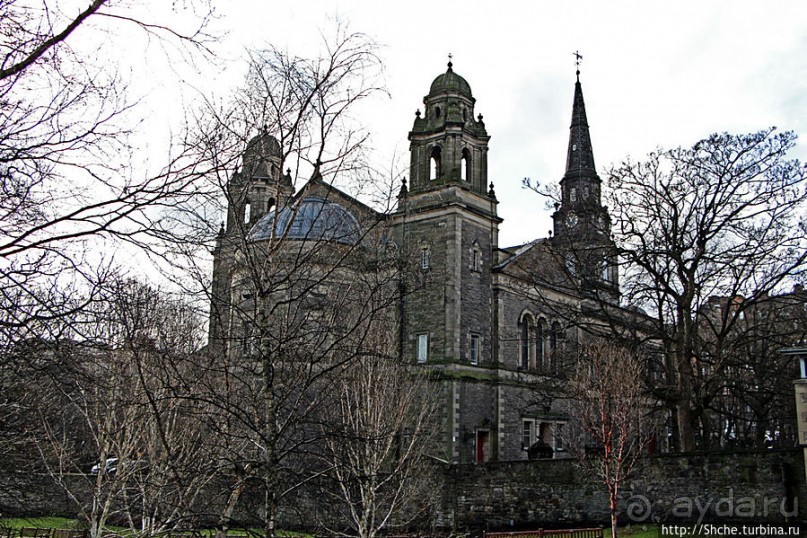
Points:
(311, 218)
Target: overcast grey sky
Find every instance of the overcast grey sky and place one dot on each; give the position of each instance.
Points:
(654, 74)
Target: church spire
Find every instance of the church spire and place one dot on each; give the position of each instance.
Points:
(580, 212)
(580, 155)
(581, 223)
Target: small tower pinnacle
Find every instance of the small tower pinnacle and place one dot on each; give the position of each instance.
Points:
(450, 63)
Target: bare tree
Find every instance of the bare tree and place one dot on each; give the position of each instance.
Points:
(610, 411)
(295, 282)
(378, 429)
(69, 191)
(65, 175)
(124, 400)
(724, 218)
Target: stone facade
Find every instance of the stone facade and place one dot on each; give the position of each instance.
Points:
(497, 326)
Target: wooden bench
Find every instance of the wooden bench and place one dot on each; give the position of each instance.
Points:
(184, 534)
(575, 533)
(517, 534)
(69, 533)
(544, 533)
(34, 532)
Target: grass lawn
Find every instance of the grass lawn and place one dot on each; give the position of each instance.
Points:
(39, 522)
(66, 523)
(635, 531)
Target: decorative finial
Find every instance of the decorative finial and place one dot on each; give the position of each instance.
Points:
(557, 206)
(577, 59)
(491, 192)
(479, 118)
(550, 233)
(417, 113)
(450, 63)
(403, 190)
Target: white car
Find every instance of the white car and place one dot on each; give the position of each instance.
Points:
(110, 466)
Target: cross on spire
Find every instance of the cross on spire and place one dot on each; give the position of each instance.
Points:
(577, 59)
(450, 57)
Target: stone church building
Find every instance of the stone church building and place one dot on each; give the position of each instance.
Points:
(499, 326)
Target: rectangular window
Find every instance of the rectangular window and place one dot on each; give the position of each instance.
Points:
(476, 260)
(528, 427)
(423, 348)
(558, 436)
(424, 258)
(475, 351)
(249, 342)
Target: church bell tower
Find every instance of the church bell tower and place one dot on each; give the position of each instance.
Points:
(582, 225)
(448, 145)
(259, 187)
(447, 226)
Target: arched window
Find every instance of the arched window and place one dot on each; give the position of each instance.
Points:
(554, 345)
(465, 165)
(247, 212)
(525, 343)
(434, 163)
(539, 344)
(476, 258)
(425, 258)
(526, 327)
(571, 264)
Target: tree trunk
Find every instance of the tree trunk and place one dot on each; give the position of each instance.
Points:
(614, 510)
(686, 431)
(232, 502)
(270, 432)
(613, 524)
(683, 367)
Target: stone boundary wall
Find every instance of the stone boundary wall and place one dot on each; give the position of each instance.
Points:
(752, 486)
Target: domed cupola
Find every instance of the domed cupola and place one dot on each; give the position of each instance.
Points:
(259, 186)
(310, 219)
(450, 82)
(448, 145)
(262, 157)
